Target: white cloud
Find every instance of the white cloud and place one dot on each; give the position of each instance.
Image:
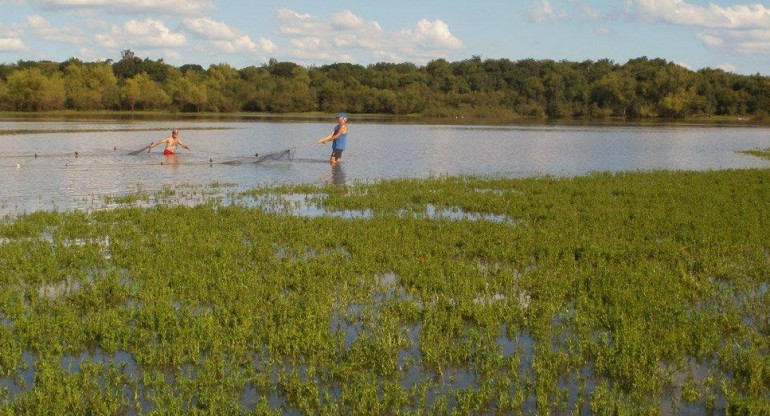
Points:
(602, 31)
(10, 32)
(43, 29)
(727, 67)
(150, 33)
(172, 7)
(267, 45)
(244, 44)
(208, 28)
(96, 24)
(710, 40)
(337, 38)
(749, 42)
(107, 41)
(313, 49)
(309, 43)
(293, 23)
(226, 38)
(743, 29)
(91, 54)
(433, 35)
(542, 11)
(680, 12)
(347, 20)
(12, 45)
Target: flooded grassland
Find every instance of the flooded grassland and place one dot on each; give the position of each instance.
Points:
(625, 293)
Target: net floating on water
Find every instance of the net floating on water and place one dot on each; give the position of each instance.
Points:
(286, 155)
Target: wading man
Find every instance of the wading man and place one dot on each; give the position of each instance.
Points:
(171, 143)
(338, 137)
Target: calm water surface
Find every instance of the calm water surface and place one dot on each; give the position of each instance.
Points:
(57, 179)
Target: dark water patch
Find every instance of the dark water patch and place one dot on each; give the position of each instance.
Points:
(254, 399)
(62, 288)
(349, 324)
(458, 214)
(6, 321)
(683, 396)
(312, 206)
(24, 379)
(72, 363)
(578, 388)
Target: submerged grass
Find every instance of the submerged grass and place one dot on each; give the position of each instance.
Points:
(630, 293)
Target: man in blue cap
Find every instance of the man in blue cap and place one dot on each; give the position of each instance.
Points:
(338, 137)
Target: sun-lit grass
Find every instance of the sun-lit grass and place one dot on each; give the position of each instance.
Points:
(630, 293)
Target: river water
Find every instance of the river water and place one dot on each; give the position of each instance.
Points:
(41, 170)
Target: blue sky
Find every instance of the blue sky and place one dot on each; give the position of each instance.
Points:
(727, 34)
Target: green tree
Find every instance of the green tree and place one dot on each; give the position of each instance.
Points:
(302, 96)
(642, 87)
(412, 99)
(6, 69)
(131, 93)
(187, 92)
(142, 93)
(440, 74)
(90, 87)
(128, 66)
(384, 76)
(30, 90)
(258, 83)
(47, 68)
(4, 104)
(281, 69)
(331, 97)
(226, 91)
(613, 94)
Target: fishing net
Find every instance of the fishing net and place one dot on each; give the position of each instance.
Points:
(136, 152)
(286, 155)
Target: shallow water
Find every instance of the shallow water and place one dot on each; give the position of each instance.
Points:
(59, 179)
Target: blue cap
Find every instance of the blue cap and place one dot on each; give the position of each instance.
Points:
(343, 115)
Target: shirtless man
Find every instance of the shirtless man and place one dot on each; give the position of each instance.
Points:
(171, 143)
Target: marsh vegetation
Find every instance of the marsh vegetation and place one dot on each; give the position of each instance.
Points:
(626, 293)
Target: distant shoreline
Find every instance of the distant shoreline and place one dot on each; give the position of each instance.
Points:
(412, 118)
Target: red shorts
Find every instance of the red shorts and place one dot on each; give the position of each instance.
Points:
(168, 152)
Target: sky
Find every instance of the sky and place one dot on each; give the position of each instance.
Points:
(727, 34)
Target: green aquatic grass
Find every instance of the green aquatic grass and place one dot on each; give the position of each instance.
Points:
(763, 153)
(619, 293)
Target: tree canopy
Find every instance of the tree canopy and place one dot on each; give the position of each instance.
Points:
(475, 87)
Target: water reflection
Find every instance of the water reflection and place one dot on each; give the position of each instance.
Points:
(338, 174)
(172, 161)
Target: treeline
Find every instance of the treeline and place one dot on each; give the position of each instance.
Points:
(640, 88)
